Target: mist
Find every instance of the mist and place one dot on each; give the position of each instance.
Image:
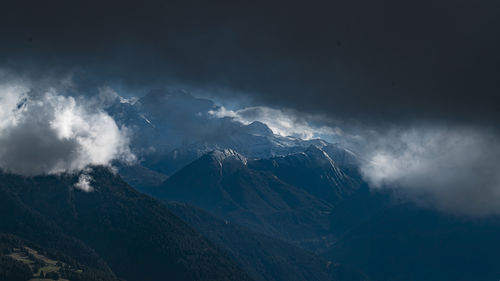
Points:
(45, 132)
(284, 122)
(455, 169)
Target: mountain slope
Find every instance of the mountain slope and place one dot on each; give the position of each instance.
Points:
(313, 171)
(136, 235)
(405, 242)
(22, 260)
(17, 217)
(263, 257)
(223, 183)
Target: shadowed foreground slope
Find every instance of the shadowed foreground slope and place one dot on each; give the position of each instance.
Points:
(264, 257)
(115, 226)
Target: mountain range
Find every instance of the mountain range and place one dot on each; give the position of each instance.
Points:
(217, 199)
(172, 129)
(311, 194)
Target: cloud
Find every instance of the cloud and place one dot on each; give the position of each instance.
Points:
(281, 122)
(373, 61)
(43, 132)
(84, 181)
(453, 169)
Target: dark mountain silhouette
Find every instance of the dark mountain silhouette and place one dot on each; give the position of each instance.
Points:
(263, 257)
(22, 260)
(222, 183)
(112, 228)
(313, 171)
(405, 242)
(289, 197)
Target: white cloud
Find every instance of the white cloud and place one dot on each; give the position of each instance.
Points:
(48, 133)
(281, 122)
(454, 169)
(84, 182)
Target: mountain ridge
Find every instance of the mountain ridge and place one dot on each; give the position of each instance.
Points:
(136, 235)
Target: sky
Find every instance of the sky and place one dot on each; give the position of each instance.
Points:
(415, 83)
(382, 61)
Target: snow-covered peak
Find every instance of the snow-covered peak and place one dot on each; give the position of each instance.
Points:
(258, 129)
(227, 154)
(318, 154)
(131, 100)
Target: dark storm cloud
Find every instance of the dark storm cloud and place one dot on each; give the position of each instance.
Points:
(370, 60)
(415, 83)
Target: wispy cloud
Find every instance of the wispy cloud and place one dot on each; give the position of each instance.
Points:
(281, 122)
(451, 168)
(84, 182)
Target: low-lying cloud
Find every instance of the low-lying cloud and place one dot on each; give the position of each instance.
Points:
(453, 169)
(48, 133)
(280, 122)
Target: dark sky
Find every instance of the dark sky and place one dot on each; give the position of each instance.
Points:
(374, 61)
(416, 83)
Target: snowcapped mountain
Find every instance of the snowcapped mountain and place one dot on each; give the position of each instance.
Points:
(223, 183)
(228, 155)
(171, 129)
(289, 197)
(312, 170)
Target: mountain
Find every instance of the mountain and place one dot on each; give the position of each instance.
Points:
(344, 158)
(269, 191)
(263, 257)
(22, 260)
(19, 218)
(333, 177)
(172, 129)
(112, 228)
(313, 171)
(406, 242)
(140, 177)
(225, 185)
(289, 197)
